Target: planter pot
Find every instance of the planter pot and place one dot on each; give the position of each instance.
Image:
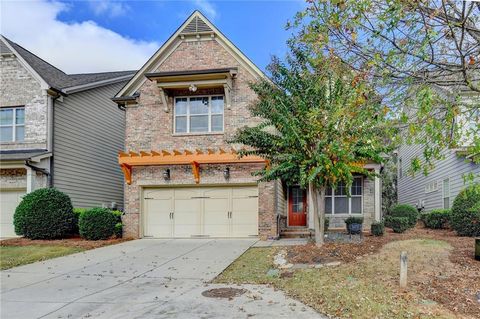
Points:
(477, 248)
(354, 228)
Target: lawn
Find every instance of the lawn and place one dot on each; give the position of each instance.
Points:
(12, 256)
(21, 251)
(443, 282)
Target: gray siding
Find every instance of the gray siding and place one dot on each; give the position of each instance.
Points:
(411, 190)
(88, 133)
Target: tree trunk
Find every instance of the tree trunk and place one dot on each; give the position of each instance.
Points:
(318, 213)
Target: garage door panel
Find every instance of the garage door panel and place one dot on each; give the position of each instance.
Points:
(9, 200)
(244, 211)
(216, 223)
(187, 213)
(158, 207)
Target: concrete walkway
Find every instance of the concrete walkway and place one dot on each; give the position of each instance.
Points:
(140, 279)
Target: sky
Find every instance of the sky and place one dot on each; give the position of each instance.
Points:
(106, 35)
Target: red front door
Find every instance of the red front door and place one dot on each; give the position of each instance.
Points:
(297, 207)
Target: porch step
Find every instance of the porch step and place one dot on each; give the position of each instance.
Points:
(296, 233)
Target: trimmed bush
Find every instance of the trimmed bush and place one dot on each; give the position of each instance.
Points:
(97, 223)
(465, 213)
(436, 219)
(398, 224)
(326, 223)
(408, 211)
(77, 212)
(118, 230)
(45, 213)
(377, 228)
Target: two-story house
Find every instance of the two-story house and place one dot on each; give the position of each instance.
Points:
(57, 130)
(183, 178)
(451, 173)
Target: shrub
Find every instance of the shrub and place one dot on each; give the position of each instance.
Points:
(436, 219)
(77, 212)
(97, 223)
(465, 213)
(408, 211)
(398, 224)
(118, 230)
(377, 228)
(45, 213)
(326, 223)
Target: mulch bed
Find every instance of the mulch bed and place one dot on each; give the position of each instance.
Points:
(458, 291)
(76, 242)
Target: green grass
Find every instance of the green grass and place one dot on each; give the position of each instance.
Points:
(367, 288)
(13, 256)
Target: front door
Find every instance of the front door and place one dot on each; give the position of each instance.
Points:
(297, 207)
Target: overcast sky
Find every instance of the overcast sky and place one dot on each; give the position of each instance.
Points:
(104, 35)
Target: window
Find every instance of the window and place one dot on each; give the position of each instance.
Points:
(198, 114)
(12, 124)
(338, 202)
(446, 193)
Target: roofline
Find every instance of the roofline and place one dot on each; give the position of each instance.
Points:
(190, 72)
(175, 36)
(43, 83)
(92, 85)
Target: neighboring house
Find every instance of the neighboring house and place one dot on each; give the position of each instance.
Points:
(450, 175)
(182, 177)
(59, 130)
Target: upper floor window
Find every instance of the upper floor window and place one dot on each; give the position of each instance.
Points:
(446, 193)
(199, 114)
(12, 124)
(338, 202)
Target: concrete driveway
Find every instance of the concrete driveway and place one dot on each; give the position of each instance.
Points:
(140, 279)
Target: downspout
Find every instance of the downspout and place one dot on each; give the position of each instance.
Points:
(50, 113)
(275, 205)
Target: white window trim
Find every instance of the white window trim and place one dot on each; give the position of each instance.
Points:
(349, 201)
(443, 192)
(188, 115)
(14, 124)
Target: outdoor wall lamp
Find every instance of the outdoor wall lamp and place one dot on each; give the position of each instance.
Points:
(226, 172)
(192, 88)
(166, 174)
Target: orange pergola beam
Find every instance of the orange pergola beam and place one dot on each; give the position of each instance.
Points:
(175, 157)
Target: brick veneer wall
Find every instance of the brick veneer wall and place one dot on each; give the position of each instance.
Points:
(17, 88)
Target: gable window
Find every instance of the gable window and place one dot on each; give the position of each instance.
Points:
(199, 114)
(446, 193)
(12, 124)
(338, 202)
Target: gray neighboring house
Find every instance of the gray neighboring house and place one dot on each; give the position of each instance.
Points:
(439, 188)
(59, 130)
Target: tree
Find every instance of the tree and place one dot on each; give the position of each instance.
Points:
(320, 123)
(423, 55)
(389, 183)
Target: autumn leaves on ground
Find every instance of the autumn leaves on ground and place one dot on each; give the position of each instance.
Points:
(443, 277)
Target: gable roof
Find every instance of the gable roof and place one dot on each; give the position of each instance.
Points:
(196, 23)
(54, 77)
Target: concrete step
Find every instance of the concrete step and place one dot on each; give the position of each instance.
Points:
(295, 233)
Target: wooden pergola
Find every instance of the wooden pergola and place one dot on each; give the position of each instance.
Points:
(185, 157)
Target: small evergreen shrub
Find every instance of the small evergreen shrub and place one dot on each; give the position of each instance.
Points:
(97, 223)
(77, 212)
(408, 211)
(45, 213)
(118, 230)
(465, 213)
(398, 224)
(436, 219)
(377, 228)
(326, 223)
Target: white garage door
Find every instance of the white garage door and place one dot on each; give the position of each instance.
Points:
(201, 211)
(9, 200)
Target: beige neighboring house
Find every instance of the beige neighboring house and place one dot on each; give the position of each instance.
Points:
(59, 130)
(182, 177)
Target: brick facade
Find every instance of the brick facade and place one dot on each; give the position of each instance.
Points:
(150, 127)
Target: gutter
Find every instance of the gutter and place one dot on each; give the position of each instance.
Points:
(36, 169)
(83, 87)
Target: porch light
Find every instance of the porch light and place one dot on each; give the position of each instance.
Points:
(166, 174)
(192, 88)
(226, 172)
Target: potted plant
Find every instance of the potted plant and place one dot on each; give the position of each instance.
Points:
(354, 225)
